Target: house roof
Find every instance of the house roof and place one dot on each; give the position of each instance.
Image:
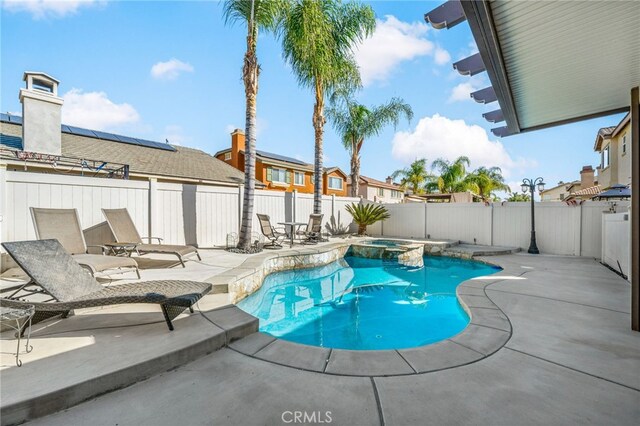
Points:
(378, 183)
(181, 162)
(567, 185)
(328, 170)
(592, 190)
(603, 133)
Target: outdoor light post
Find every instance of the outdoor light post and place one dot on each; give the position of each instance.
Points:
(530, 185)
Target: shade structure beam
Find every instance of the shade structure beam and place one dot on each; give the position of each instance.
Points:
(446, 15)
(484, 96)
(470, 66)
(494, 116)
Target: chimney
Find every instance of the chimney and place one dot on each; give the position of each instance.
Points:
(389, 180)
(586, 177)
(41, 110)
(237, 145)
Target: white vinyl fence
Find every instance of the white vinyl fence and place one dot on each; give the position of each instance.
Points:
(562, 229)
(205, 215)
(202, 215)
(616, 249)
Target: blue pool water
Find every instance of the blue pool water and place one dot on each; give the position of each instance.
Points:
(357, 303)
(386, 243)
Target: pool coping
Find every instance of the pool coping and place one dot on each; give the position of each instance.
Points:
(488, 331)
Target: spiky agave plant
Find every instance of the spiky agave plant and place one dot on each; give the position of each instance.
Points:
(367, 214)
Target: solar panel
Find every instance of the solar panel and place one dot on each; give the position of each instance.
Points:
(14, 142)
(127, 139)
(81, 132)
(10, 118)
(281, 158)
(158, 145)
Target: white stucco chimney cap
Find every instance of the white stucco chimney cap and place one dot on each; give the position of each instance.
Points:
(40, 74)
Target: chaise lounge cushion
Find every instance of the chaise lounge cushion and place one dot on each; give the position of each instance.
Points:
(102, 263)
(165, 248)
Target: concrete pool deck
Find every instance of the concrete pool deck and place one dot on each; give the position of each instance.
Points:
(571, 358)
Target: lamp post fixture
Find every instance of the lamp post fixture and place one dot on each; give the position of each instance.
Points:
(530, 185)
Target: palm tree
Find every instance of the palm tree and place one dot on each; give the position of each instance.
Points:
(453, 176)
(317, 40)
(517, 197)
(489, 180)
(415, 177)
(258, 15)
(355, 122)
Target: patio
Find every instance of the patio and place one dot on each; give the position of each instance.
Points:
(570, 358)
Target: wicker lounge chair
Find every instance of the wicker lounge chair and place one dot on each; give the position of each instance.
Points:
(313, 232)
(270, 233)
(64, 225)
(125, 231)
(71, 287)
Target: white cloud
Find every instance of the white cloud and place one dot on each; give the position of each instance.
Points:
(170, 69)
(41, 9)
(96, 111)
(462, 92)
(393, 42)
(440, 137)
(441, 56)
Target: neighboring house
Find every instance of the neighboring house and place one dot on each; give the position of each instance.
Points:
(39, 142)
(559, 192)
(455, 197)
(281, 173)
(583, 189)
(379, 191)
(614, 145)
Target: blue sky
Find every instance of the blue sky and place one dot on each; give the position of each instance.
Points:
(171, 70)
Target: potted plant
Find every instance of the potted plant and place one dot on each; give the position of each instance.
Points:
(367, 214)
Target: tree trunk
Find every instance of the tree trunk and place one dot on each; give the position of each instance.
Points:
(355, 173)
(318, 126)
(250, 72)
(362, 229)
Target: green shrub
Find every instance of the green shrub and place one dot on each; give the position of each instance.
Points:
(367, 214)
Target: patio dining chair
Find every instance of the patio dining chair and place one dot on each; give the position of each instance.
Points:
(312, 234)
(270, 233)
(49, 266)
(124, 231)
(64, 225)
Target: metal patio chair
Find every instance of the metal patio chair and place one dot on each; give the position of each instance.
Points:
(124, 230)
(64, 225)
(312, 234)
(270, 233)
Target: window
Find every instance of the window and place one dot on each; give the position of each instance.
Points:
(227, 156)
(395, 194)
(624, 144)
(311, 179)
(278, 175)
(605, 158)
(335, 183)
(298, 178)
(380, 192)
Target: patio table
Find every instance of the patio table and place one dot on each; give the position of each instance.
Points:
(121, 249)
(17, 319)
(293, 227)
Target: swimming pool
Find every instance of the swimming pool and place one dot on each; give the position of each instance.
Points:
(358, 303)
